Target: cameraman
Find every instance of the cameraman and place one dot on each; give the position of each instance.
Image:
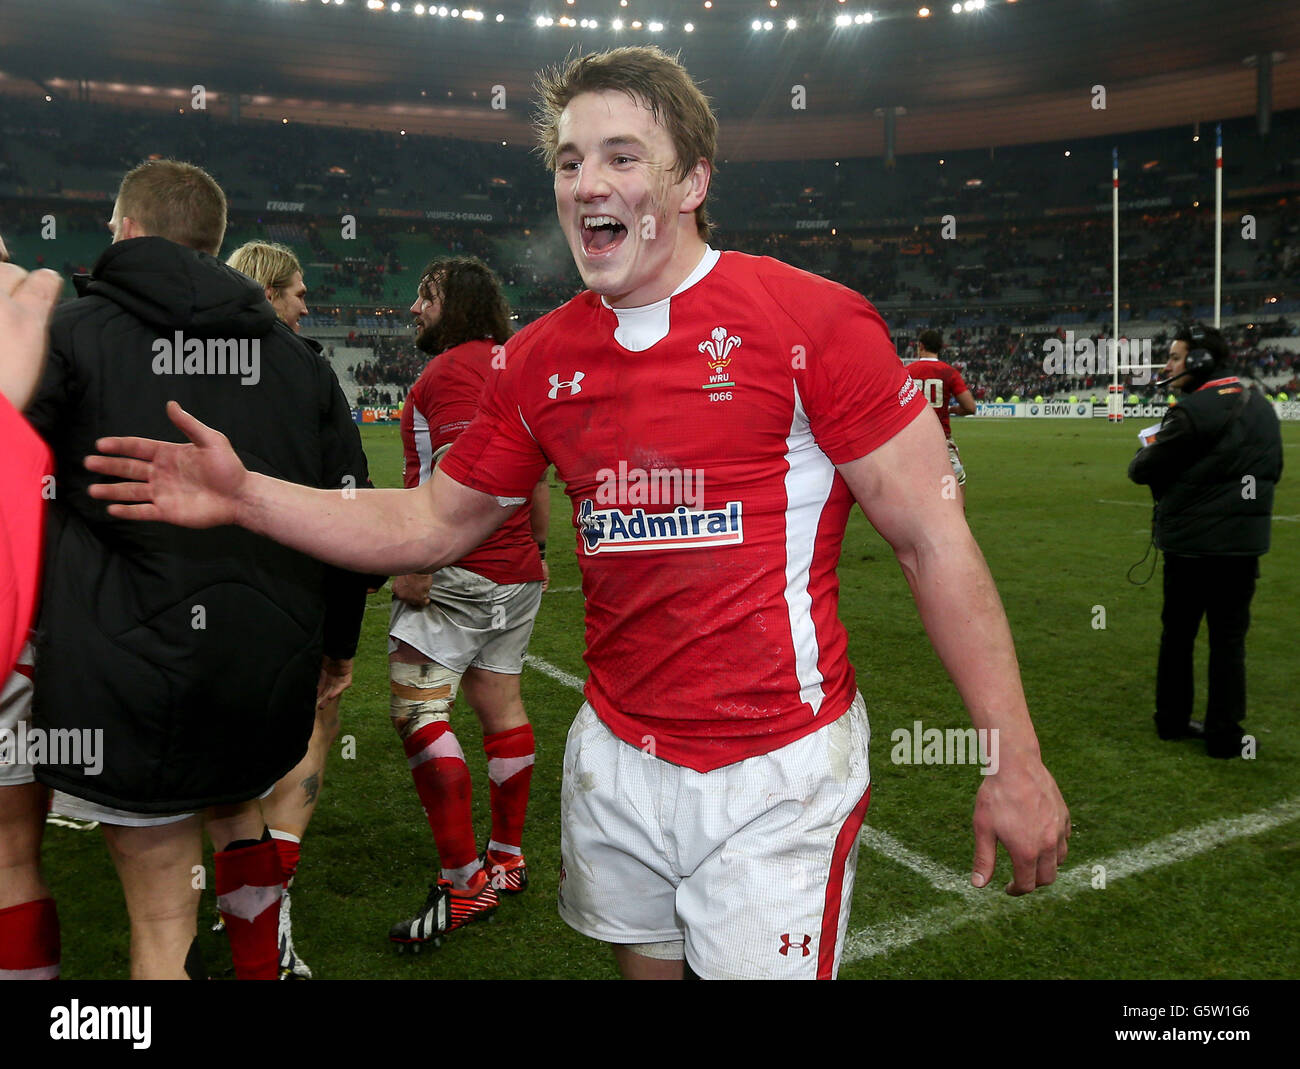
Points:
(1212, 469)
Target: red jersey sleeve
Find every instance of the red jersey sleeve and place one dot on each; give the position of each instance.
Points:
(956, 384)
(856, 392)
(496, 453)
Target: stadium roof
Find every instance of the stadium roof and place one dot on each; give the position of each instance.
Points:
(1006, 73)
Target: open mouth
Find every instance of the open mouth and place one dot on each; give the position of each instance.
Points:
(601, 234)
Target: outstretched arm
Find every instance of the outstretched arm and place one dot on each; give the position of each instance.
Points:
(203, 484)
(900, 487)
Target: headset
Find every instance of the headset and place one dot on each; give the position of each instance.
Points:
(1200, 360)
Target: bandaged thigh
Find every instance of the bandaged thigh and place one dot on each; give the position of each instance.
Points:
(420, 694)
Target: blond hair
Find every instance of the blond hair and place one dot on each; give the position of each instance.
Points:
(177, 201)
(271, 265)
(649, 76)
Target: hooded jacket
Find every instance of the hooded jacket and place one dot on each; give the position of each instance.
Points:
(193, 654)
(1212, 471)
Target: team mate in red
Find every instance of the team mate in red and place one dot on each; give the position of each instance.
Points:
(716, 782)
(29, 923)
(942, 384)
(467, 624)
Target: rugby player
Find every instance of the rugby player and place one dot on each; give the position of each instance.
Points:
(941, 383)
(467, 625)
(289, 807)
(716, 779)
(29, 924)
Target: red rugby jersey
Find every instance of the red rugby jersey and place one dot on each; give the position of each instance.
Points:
(26, 463)
(940, 383)
(441, 404)
(697, 439)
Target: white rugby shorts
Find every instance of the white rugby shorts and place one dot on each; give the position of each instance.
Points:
(954, 458)
(470, 622)
(752, 864)
(16, 706)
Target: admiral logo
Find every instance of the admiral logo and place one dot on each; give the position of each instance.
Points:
(907, 391)
(616, 531)
(573, 385)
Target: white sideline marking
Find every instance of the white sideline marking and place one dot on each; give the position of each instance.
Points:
(557, 674)
(1109, 501)
(1179, 846)
(940, 878)
(977, 903)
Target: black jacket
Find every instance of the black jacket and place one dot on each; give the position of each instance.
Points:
(196, 652)
(1212, 470)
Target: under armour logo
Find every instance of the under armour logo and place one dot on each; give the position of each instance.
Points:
(787, 946)
(573, 385)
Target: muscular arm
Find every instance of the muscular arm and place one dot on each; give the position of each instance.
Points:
(900, 488)
(966, 402)
(203, 484)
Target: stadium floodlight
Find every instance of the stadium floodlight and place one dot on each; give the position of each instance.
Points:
(969, 5)
(924, 13)
(617, 24)
(843, 20)
(868, 17)
(419, 9)
(956, 9)
(442, 12)
(767, 24)
(979, 5)
(791, 24)
(756, 25)
(541, 21)
(636, 24)
(500, 17)
(689, 27)
(655, 27)
(455, 12)
(394, 6)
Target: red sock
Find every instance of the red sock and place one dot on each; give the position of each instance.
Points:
(510, 769)
(29, 941)
(248, 884)
(442, 782)
(287, 848)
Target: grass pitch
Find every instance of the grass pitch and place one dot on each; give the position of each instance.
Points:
(1059, 524)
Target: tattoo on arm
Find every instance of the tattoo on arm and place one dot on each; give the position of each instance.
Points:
(311, 787)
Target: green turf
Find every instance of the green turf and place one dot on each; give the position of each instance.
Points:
(1038, 500)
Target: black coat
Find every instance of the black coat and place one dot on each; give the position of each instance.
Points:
(196, 652)
(1212, 470)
